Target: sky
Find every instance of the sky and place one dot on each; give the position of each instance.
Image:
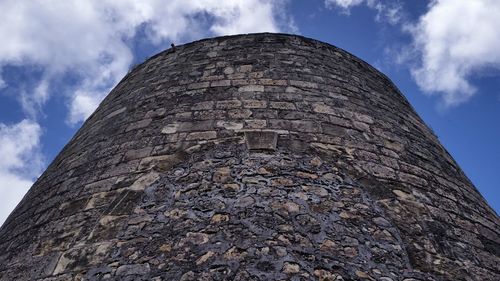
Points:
(59, 59)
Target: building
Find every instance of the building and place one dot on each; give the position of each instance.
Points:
(253, 157)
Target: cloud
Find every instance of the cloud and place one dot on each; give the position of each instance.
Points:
(453, 41)
(344, 4)
(83, 104)
(20, 162)
(387, 11)
(91, 39)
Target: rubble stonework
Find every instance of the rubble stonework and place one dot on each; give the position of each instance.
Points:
(253, 157)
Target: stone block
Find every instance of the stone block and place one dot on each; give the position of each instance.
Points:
(239, 113)
(139, 124)
(228, 70)
(282, 105)
(221, 83)
(261, 140)
(199, 85)
(170, 128)
(204, 105)
(202, 135)
(272, 82)
(323, 108)
(229, 125)
(255, 123)
(228, 104)
(305, 126)
(116, 112)
(303, 84)
(245, 68)
(251, 88)
(195, 126)
(254, 103)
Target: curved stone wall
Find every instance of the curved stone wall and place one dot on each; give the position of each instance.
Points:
(252, 157)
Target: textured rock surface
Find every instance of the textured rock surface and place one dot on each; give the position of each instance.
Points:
(172, 178)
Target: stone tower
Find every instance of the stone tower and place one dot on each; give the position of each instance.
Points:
(253, 157)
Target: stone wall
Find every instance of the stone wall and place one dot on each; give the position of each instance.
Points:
(252, 157)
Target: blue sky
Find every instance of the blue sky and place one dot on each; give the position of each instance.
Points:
(57, 62)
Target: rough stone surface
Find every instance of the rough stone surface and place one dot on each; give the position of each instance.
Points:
(159, 183)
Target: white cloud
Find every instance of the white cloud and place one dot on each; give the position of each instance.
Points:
(20, 162)
(83, 104)
(454, 40)
(33, 101)
(387, 11)
(344, 4)
(89, 39)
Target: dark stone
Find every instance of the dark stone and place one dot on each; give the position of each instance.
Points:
(253, 157)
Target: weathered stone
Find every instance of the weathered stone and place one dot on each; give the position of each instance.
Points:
(202, 135)
(282, 182)
(235, 253)
(133, 269)
(139, 124)
(303, 84)
(228, 70)
(222, 175)
(251, 88)
(305, 126)
(205, 257)
(307, 175)
(361, 126)
(261, 140)
(228, 104)
(324, 275)
(144, 181)
(291, 268)
(252, 157)
(245, 68)
(282, 105)
(316, 161)
(379, 170)
(328, 245)
(319, 191)
(363, 275)
(116, 112)
(166, 248)
(291, 207)
(199, 85)
(228, 125)
(255, 124)
(170, 128)
(218, 218)
(381, 222)
(245, 201)
(160, 163)
(239, 113)
(254, 103)
(221, 83)
(232, 187)
(204, 105)
(323, 108)
(195, 238)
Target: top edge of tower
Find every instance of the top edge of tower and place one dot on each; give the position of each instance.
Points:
(316, 42)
